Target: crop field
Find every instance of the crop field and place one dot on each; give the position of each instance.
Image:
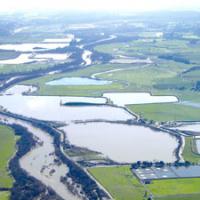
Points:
(7, 149)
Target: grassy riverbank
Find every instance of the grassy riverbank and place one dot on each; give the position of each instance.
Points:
(4, 195)
(7, 149)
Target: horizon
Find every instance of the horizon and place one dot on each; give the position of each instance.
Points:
(103, 5)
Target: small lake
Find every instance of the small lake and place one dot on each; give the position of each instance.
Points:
(78, 81)
(122, 99)
(123, 143)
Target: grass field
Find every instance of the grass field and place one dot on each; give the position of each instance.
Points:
(122, 185)
(179, 197)
(153, 47)
(166, 112)
(4, 195)
(119, 182)
(7, 149)
(168, 189)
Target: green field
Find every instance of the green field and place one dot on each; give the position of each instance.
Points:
(7, 149)
(119, 182)
(173, 188)
(122, 185)
(153, 47)
(4, 195)
(179, 197)
(166, 112)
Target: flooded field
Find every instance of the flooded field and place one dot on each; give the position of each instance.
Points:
(19, 90)
(51, 108)
(78, 81)
(29, 58)
(51, 56)
(123, 143)
(30, 47)
(129, 60)
(122, 99)
(195, 127)
(21, 59)
(67, 39)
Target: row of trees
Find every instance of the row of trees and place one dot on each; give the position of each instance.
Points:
(175, 57)
(159, 164)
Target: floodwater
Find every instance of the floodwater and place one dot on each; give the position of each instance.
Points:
(51, 108)
(78, 81)
(19, 90)
(195, 127)
(39, 162)
(86, 56)
(52, 56)
(67, 39)
(129, 60)
(21, 59)
(122, 99)
(28, 58)
(30, 47)
(198, 145)
(123, 143)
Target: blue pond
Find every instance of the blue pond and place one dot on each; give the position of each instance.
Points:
(78, 81)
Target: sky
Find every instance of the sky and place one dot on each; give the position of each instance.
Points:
(92, 5)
